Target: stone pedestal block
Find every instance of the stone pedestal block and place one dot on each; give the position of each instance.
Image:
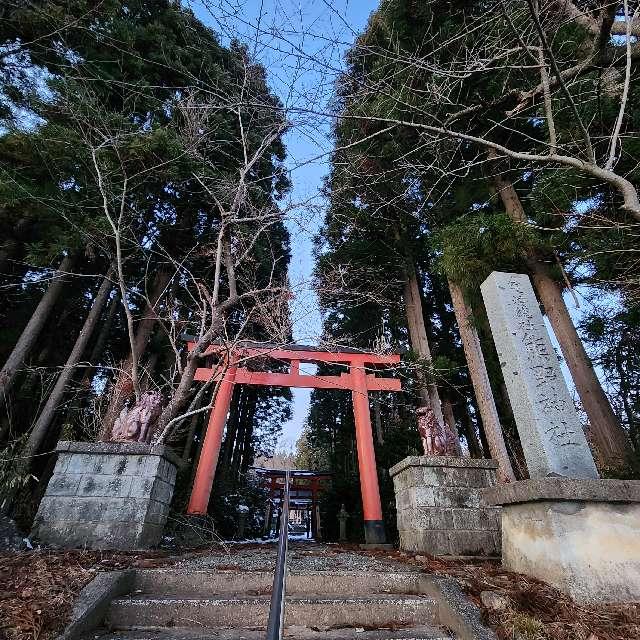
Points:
(107, 495)
(439, 506)
(581, 536)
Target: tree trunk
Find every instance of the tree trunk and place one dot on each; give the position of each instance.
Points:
(475, 450)
(239, 436)
(377, 421)
(6, 251)
(627, 346)
(486, 451)
(481, 385)
(101, 341)
(419, 342)
(611, 440)
(247, 446)
(148, 372)
(96, 352)
(450, 420)
(10, 245)
(31, 332)
(242, 447)
(5, 425)
(196, 457)
(121, 388)
(232, 428)
(188, 443)
(47, 414)
(236, 458)
(178, 400)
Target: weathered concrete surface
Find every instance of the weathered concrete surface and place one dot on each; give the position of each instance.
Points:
(207, 583)
(91, 606)
(439, 506)
(107, 496)
(552, 437)
(587, 547)
(563, 489)
(373, 593)
(118, 448)
(455, 611)
(372, 611)
(294, 632)
(450, 462)
(361, 598)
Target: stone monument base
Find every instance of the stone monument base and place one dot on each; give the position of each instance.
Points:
(581, 536)
(439, 506)
(107, 495)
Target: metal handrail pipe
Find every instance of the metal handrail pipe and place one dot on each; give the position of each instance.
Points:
(275, 625)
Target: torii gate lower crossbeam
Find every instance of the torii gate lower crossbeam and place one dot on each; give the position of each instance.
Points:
(355, 380)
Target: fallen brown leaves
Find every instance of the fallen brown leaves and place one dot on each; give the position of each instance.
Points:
(537, 610)
(38, 588)
(37, 591)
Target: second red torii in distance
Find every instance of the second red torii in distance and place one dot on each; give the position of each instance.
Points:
(356, 380)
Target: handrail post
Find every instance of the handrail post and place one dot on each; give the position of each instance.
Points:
(275, 626)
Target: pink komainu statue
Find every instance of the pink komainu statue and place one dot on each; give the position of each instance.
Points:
(136, 424)
(436, 440)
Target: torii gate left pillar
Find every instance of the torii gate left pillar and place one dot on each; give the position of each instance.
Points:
(356, 380)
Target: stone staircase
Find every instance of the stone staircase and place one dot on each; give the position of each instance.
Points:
(176, 604)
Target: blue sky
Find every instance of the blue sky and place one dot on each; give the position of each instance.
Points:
(302, 45)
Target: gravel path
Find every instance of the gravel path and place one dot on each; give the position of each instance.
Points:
(303, 556)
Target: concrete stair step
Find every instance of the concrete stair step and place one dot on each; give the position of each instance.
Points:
(370, 612)
(422, 632)
(205, 583)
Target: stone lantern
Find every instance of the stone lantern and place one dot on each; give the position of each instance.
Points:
(343, 516)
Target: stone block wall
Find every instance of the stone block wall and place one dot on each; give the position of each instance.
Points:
(107, 496)
(440, 510)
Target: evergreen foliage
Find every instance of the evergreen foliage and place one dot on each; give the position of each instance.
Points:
(129, 107)
(403, 187)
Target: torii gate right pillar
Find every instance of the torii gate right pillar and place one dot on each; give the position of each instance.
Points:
(373, 524)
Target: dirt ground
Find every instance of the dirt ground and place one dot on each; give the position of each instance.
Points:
(530, 609)
(38, 588)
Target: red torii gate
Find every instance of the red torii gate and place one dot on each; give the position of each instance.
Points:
(355, 380)
(305, 486)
